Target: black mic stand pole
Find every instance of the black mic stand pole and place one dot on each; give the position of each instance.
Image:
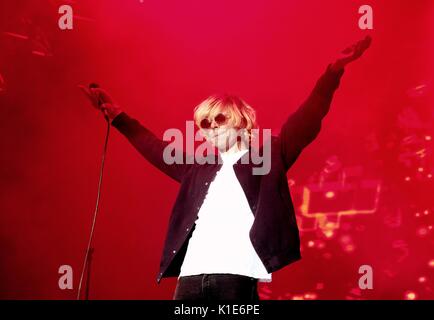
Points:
(89, 250)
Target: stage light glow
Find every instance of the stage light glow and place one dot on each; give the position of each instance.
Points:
(345, 239)
(423, 231)
(319, 286)
(349, 248)
(320, 245)
(410, 295)
(330, 194)
(328, 233)
(310, 296)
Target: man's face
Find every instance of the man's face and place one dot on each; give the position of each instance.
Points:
(219, 131)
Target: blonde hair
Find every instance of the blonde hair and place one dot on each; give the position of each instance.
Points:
(240, 114)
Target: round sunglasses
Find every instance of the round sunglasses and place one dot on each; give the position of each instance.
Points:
(220, 119)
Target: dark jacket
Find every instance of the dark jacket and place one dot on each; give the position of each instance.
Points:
(274, 233)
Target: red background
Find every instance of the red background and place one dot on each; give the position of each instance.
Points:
(161, 58)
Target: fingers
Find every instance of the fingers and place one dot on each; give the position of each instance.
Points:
(96, 95)
(354, 48)
(89, 95)
(105, 106)
(101, 95)
(85, 90)
(359, 45)
(101, 100)
(363, 45)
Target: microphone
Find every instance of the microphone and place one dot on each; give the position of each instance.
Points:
(94, 85)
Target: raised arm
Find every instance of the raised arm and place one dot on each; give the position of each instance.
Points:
(302, 127)
(143, 140)
(149, 146)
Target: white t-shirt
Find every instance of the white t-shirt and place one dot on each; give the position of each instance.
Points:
(220, 242)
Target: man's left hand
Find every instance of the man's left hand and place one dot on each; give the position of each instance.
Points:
(352, 53)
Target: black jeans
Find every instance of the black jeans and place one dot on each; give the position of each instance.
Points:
(217, 287)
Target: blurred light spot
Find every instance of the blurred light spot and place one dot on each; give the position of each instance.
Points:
(327, 255)
(349, 248)
(311, 244)
(345, 239)
(328, 233)
(422, 279)
(422, 231)
(428, 138)
(328, 229)
(420, 169)
(407, 178)
(410, 295)
(310, 296)
(321, 244)
(330, 194)
(431, 263)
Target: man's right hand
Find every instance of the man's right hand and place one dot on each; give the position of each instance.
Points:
(102, 101)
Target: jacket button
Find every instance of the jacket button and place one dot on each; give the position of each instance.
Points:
(206, 183)
(187, 229)
(174, 251)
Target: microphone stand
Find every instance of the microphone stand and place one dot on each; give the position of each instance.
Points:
(89, 264)
(90, 250)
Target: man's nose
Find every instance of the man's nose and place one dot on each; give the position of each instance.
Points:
(214, 124)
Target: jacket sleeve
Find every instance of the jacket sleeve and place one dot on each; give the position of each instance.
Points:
(149, 146)
(302, 127)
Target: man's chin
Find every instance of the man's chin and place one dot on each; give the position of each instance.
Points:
(221, 145)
